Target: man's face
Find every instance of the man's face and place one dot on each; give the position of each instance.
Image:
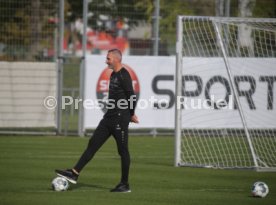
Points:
(110, 60)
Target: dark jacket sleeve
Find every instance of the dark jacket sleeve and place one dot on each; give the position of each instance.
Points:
(128, 89)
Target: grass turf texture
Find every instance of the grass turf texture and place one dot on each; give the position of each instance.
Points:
(28, 163)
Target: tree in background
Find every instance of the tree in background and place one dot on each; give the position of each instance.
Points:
(168, 14)
(237, 8)
(25, 28)
(102, 10)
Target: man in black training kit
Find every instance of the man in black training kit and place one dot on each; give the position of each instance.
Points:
(115, 122)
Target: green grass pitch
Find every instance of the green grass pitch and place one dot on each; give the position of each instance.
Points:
(27, 168)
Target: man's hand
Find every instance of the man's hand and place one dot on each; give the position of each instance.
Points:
(134, 119)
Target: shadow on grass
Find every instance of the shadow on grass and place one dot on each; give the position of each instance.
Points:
(92, 186)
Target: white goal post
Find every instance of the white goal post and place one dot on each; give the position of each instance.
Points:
(225, 85)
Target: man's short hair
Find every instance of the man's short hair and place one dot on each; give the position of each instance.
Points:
(116, 52)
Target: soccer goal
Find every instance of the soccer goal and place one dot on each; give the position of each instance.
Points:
(225, 113)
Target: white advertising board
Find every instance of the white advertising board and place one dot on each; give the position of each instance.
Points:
(206, 81)
(24, 88)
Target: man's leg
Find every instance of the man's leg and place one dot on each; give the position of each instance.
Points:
(99, 137)
(121, 136)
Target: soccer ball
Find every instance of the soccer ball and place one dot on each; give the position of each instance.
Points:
(259, 189)
(60, 184)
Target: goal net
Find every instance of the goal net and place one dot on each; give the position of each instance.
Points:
(225, 113)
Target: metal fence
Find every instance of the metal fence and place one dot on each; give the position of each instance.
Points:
(52, 31)
(28, 47)
(29, 28)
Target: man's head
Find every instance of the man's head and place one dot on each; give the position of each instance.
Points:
(113, 59)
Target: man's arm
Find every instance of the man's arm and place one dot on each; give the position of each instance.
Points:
(129, 92)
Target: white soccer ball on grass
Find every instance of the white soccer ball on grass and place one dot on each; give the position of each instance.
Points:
(259, 189)
(60, 184)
